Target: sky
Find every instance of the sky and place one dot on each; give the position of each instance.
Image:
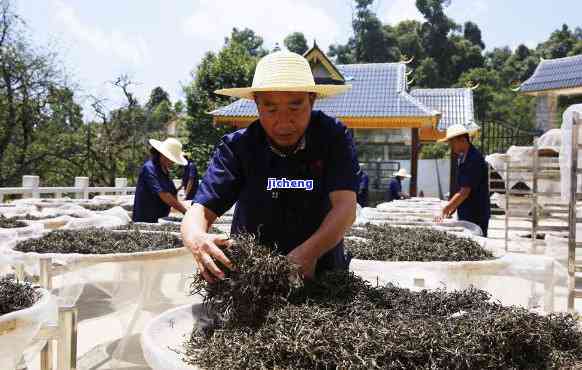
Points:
(160, 42)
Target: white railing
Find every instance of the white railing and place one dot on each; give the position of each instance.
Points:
(81, 189)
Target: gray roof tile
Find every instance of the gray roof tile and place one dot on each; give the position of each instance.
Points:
(378, 90)
(561, 73)
(455, 105)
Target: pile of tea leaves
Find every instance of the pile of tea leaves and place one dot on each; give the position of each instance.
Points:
(99, 241)
(98, 207)
(15, 295)
(169, 227)
(391, 243)
(264, 319)
(30, 217)
(9, 223)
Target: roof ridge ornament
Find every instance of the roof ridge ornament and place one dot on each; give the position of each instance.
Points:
(515, 85)
(404, 60)
(471, 85)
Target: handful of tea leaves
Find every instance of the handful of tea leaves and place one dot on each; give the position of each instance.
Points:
(260, 279)
(15, 296)
(99, 241)
(391, 243)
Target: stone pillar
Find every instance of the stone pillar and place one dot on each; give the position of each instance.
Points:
(31, 182)
(547, 112)
(121, 182)
(414, 149)
(83, 183)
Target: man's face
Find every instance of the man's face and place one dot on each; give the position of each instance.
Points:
(284, 115)
(457, 144)
(164, 161)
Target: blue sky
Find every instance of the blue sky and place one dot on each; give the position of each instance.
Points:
(158, 43)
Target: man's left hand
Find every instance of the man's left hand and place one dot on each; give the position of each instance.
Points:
(447, 212)
(307, 264)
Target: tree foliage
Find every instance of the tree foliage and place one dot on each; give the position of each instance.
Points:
(232, 66)
(44, 130)
(296, 42)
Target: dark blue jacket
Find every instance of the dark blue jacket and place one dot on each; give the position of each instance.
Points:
(394, 189)
(283, 218)
(147, 205)
(473, 173)
(190, 173)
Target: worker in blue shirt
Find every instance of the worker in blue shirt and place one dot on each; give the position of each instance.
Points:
(292, 174)
(395, 186)
(472, 200)
(189, 179)
(155, 193)
(363, 189)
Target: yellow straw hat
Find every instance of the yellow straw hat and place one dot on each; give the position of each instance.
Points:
(454, 131)
(284, 71)
(171, 148)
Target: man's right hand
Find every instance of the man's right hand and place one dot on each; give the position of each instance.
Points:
(205, 249)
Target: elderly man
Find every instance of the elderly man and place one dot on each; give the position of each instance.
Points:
(472, 200)
(292, 174)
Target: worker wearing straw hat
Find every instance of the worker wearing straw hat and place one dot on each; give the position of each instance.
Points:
(292, 174)
(472, 199)
(156, 193)
(395, 186)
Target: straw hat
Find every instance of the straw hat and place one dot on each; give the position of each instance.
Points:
(171, 148)
(284, 71)
(454, 131)
(402, 173)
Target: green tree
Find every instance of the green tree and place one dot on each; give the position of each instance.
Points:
(296, 42)
(472, 32)
(343, 54)
(233, 66)
(409, 41)
(559, 45)
(248, 39)
(373, 43)
(435, 35)
(157, 96)
(427, 74)
(435, 151)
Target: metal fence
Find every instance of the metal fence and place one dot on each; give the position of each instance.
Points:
(497, 137)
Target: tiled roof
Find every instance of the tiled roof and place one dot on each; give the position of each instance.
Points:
(455, 105)
(552, 74)
(378, 90)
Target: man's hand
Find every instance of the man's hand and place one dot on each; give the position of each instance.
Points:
(447, 212)
(205, 249)
(307, 264)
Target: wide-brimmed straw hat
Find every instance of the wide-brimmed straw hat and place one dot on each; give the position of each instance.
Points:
(402, 173)
(171, 148)
(284, 71)
(459, 130)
